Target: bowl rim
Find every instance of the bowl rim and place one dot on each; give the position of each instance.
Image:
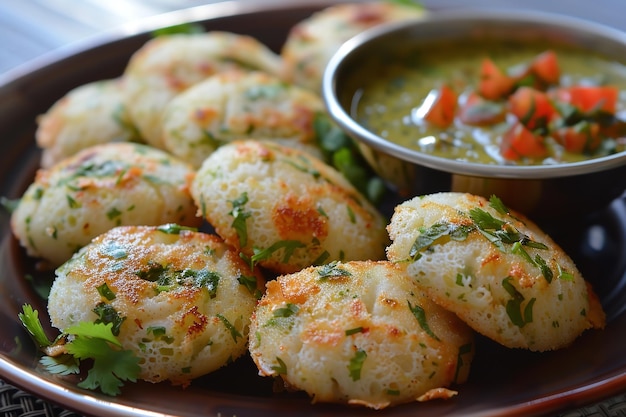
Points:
(354, 45)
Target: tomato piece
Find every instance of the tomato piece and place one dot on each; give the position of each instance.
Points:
(546, 67)
(531, 107)
(439, 107)
(518, 142)
(582, 137)
(589, 98)
(494, 84)
(478, 111)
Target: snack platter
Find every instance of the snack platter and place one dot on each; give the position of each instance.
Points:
(502, 381)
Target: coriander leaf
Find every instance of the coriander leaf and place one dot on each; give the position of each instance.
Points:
(281, 368)
(355, 330)
(102, 331)
(174, 229)
(463, 350)
(545, 269)
(287, 311)
(250, 283)
(356, 364)
(30, 320)
(564, 275)
(288, 245)
(61, 364)
(514, 305)
(332, 270)
(420, 315)
(110, 366)
(498, 205)
(107, 314)
(519, 250)
(240, 216)
(233, 331)
(430, 235)
(106, 292)
(484, 220)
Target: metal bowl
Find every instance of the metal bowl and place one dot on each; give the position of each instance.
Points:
(542, 191)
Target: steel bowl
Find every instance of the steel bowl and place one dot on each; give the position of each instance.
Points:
(544, 192)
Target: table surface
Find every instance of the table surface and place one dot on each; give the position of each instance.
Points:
(30, 28)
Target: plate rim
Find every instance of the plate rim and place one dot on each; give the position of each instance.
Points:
(94, 403)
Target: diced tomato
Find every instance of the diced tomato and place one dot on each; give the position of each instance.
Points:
(582, 137)
(546, 67)
(531, 107)
(494, 84)
(439, 107)
(518, 142)
(478, 111)
(589, 98)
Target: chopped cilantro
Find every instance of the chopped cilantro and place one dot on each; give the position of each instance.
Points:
(287, 311)
(545, 269)
(356, 364)
(106, 292)
(355, 330)
(427, 237)
(332, 270)
(250, 283)
(174, 229)
(463, 350)
(514, 310)
(108, 315)
(240, 216)
(73, 204)
(420, 315)
(564, 275)
(288, 245)
(281, 368)
(233, 331)
(113, 213)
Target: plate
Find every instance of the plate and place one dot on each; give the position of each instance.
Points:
(502, 381)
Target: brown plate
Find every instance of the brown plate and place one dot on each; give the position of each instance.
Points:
(502, 381)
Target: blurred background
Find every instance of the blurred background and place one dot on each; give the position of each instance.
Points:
(30, 28)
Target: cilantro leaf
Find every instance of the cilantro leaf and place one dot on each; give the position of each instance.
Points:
(230, 327)
(240, 216)
(94, 330)
(288, 245)
(332, 270)
(107, 314)
(175, 229)
(281, 368)
(430, 235)
(420, 315)
(287, 311)
(110, 366)
(30, 320)
(356, 364)
(498, 205)
(61, 364)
